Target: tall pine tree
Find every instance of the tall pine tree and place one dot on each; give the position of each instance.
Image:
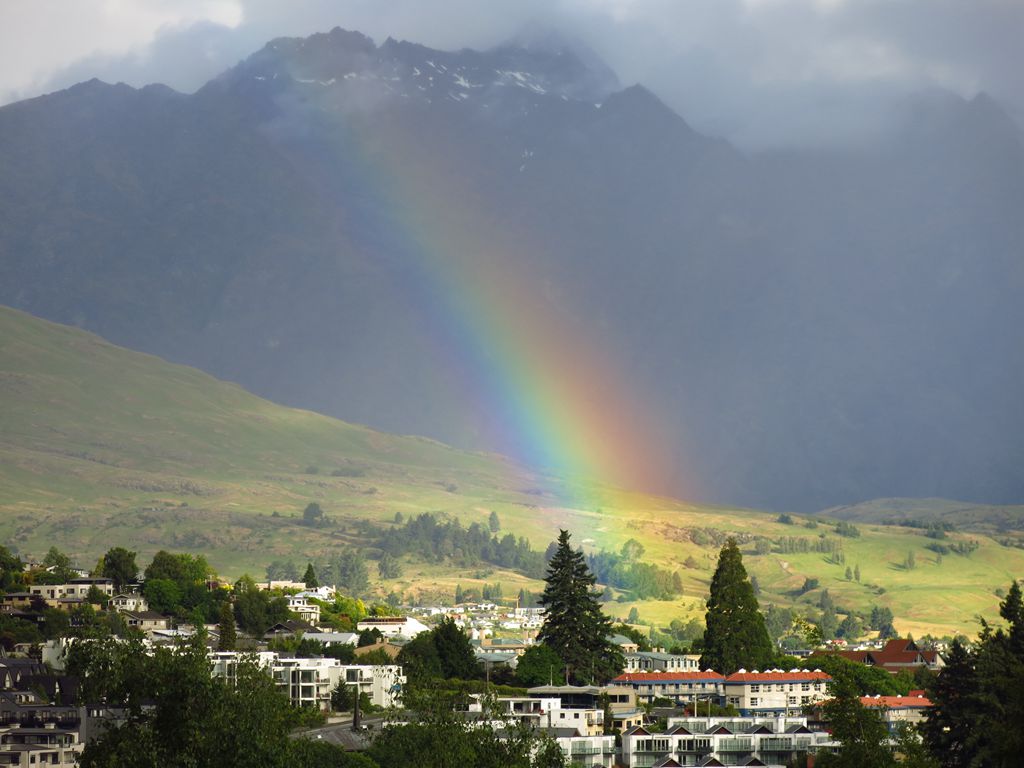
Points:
(575, 627)
(735, 636)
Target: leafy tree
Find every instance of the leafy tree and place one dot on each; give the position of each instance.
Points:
(119, 564)
(866, 680)
(861, 730)
(175, 713)
(574, 625)
(634, 616)
(735, 636)
(226, 628)
(420, 659)
(849, 573)
(389, 566)
(312, 514)
(399, 518)
(310, 577)
(350, 569)
(96, 596)
(370, 636)
(255, 609)
(11, 569)
(163, 595)
(539, 665)
(632, 550)
(60, 563)
(493, 522)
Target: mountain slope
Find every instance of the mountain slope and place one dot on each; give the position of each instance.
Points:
(101, 446)
(809, 329)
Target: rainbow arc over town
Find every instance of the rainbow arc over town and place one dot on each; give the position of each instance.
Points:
(561, 403)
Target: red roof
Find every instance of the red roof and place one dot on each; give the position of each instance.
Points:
(665, 677)
(896, 702)
(777, 677)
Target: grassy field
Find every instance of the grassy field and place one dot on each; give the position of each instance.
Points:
(100, 446)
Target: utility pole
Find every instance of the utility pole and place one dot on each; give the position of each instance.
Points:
(356, 714)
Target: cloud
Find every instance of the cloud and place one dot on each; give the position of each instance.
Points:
(759, 72)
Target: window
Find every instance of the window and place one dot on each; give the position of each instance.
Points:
(753, 701)
(755, 688)
(805, 686)
(792, 699)
(805, 699)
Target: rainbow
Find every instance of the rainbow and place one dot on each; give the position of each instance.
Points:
(561, 403)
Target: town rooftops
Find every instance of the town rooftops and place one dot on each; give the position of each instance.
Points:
(896, 702)
(896, 654)
(777, 676)
(668, 677)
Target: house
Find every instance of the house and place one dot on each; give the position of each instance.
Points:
(289, 628)
(309, 682)
(129, 601)
(21, 746)
(627, 644)
(393, 626)
(76, 588)
(774, 691)
(910, 709)
(391, 649)
(584, 749)
(307, 611)
(146, 621)
(763, 741)
(623, 706)
(652, 661)
(896, 654)
(332, 638)
(679, 687)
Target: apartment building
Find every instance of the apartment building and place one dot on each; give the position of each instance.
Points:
(679, 687)
(774, 691)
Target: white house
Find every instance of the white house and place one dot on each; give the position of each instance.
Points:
(650, 661)
(75, 589)
(768, 741)
(309, 682)
(393, 626)
(306, 610)
(129, 601)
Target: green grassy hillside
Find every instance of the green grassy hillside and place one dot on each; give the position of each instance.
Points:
(101, 446)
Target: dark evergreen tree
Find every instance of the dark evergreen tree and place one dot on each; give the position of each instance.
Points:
(226, 628)
(309, 578)
(454, 651)
(947, 728)
(861, 730)
(494, 522)
(735, 636)
(389, 566)
(575, 627)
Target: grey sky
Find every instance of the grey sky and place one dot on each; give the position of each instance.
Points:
(759, 72)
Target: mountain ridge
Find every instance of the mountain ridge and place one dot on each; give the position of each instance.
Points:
(769, 307)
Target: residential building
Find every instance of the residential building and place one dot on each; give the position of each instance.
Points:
(679, 687)
(129, 601)
(309, 682)
(623, 706)
(146, 621)
(583, 749)
(654, 661)
(910, 709)
(896, 654)
(393, 626)
(49, 746)
(775, 691)
(764, 741)
(76, 589)
(306, 610)
(332, 638)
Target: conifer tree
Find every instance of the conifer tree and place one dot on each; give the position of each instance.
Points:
(575, 627)
(226, 630)
(310, 578)
(735, 636)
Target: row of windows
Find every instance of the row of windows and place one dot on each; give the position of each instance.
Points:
(756, 687)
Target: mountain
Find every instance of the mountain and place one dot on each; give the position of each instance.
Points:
(994, 520)
(364, 230)
(101, 446)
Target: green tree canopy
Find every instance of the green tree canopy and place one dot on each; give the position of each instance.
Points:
(226, 628)
(575, 627)
(539, 665)
(119, 564)
(309, 578)
(735, 636)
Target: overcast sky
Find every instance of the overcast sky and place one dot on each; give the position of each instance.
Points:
(758, 72)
